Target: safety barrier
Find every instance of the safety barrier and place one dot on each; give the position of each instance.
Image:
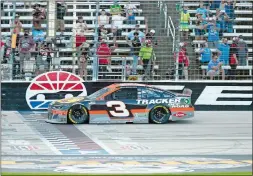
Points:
(212, 96)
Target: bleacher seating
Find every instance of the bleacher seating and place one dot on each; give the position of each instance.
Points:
(85, 9)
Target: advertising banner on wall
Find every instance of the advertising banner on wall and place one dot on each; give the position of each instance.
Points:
(51, 86)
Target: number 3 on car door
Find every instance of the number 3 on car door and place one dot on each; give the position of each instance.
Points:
(117, 109)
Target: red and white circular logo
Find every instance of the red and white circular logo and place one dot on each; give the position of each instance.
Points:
(52, 86)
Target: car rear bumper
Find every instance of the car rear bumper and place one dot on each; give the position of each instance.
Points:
(175, 116)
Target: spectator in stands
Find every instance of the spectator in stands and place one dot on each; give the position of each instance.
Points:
(202, 10)
(136, 46)
(215, 68)
(151, 36)
(141, 35)
(117, 25)
(2, 51)
(104, 56)
(233, 61)
(17, 28)
(131, 17)
(26, 43)
(242, 51)
(131, 36)
(222, 5)
(38, 14)
(130, 10)
(103, 19)
(183, 61)
(229, 10)
(224, 48)
(206, 56)
(146, 54)
(115, 9)
(215, 4)
(184, 23)
(200, 27)
(130, 6)
(44, 58)
(213, 34)
(61, 12)
(80, 29)
(7, 49)
(83, 57)
(222, 17)
(102, 33)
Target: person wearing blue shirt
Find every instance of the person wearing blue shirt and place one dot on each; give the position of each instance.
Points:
(224, 48)
(213, 23)
(222, 20)
(215, 4)
(201, 10)
(215, 68)
(206, 55)
(213, 34)
(130, 35)
(230, 11)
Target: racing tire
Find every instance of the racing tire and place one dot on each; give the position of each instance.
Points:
(159, 114)
(78, 114)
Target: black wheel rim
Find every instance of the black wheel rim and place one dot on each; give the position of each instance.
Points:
(160, 113)
(78, 115)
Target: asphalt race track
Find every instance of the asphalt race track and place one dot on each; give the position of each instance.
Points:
(209, 142)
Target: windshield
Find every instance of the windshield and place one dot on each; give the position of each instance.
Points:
(98, 93)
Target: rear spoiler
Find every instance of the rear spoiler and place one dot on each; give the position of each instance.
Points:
(187, 91)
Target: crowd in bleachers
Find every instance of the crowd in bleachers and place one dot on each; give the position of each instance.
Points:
(33, 41)
(213, 18)
(122, 35)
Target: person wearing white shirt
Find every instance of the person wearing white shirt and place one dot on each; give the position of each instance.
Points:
(103, 19)
(117, 25)
(80, 29)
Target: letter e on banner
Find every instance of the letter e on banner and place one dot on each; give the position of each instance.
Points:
(210, 95)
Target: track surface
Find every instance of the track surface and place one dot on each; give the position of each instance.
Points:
(211, 141)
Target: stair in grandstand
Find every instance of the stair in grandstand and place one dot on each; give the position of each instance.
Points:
(163, 52)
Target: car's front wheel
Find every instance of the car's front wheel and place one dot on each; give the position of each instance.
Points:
(159, 114)
(78, 114)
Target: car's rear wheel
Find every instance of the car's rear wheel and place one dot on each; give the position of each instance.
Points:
(159, 114)
(78, 114)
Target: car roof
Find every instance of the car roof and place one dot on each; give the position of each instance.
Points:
(117, 85)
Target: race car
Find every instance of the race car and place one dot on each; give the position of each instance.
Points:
(123, 103)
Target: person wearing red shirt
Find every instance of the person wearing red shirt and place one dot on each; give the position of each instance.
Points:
(233, 61)
(183, 61)
(1, 50)
(104, 56)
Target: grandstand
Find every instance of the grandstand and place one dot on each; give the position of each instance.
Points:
(162, 16)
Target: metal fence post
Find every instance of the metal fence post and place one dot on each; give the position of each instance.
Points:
(95, 58)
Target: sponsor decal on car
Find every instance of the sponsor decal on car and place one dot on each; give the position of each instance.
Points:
(159, 101)
(179, 106)
(51, 86)
(59, 112)
(179, 114)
